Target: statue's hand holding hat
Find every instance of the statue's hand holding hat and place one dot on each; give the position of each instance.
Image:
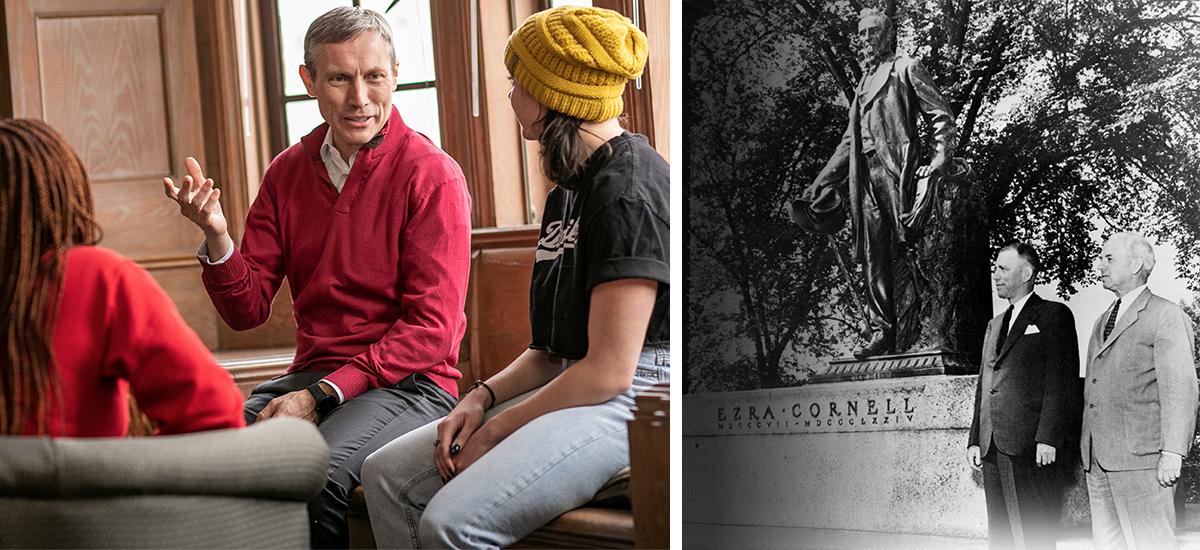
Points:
(819, 210)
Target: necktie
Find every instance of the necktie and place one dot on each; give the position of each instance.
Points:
(1112, 319)
(1004, 326)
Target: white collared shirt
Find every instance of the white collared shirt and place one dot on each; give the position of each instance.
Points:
(1127, 300)
(1017, 307)
(337, 168)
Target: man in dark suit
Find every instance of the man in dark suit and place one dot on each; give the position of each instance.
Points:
(1141, 403)
(1026, 406)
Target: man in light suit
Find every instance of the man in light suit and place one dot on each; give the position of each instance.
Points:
(1026, 406)
(1140, 397)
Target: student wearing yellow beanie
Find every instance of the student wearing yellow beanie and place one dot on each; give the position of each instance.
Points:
(544, 435)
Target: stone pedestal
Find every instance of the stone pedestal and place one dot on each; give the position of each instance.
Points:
(883, 455)
(898, 365)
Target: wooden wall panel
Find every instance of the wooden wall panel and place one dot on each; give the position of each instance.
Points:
(504, 134)
(119, 79)
(497, 310)
(278, 331)
(536, 181)
(141, 223)
(657, 22)
(183, 285)
(464, 135)
(497, 301)
(123, 133)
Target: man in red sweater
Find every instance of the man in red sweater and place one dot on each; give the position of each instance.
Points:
(370, 223)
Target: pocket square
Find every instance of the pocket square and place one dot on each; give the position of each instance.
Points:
(1031, 329)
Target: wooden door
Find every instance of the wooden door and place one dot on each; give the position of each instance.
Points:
(119, 80)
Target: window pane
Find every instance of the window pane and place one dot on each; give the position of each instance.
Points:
(294, 18)
(419, 108)
(557, 3)
(412, 34)
(302, 117)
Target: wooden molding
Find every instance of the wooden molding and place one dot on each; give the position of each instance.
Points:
(584, 528)
(220, 103)
(168, 262)
(464, 136)
(6, 100)
(521, 236)
(638, 107)
(650, 466)
(253, 367)
(272, 68)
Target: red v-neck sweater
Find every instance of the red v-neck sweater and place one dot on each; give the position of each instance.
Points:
(378, 273)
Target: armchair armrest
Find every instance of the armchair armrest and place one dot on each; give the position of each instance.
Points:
(280, 459)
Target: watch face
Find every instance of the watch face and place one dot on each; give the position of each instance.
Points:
(326, 404)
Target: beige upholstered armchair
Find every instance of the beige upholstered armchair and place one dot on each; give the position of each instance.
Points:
(227, 488)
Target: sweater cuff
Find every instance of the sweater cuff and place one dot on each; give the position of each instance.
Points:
(232, 270)
(351, 380)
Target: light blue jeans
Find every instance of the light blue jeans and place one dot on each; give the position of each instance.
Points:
(549, 466)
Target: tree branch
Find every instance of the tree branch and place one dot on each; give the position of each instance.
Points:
(995, 64)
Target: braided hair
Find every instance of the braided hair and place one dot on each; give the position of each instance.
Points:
(45, 208)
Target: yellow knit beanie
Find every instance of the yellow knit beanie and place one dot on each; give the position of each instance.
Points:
(576, 60)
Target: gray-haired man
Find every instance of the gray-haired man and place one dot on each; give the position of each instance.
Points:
(1141, 395)
(370, 223)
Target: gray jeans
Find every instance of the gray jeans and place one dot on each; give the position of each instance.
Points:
(353, 431)
(549, 466)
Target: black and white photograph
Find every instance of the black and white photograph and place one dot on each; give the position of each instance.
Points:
(942, 262)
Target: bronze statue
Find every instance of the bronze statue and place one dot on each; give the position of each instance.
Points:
(889, 196)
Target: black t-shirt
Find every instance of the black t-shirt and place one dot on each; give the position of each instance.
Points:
(613, 224)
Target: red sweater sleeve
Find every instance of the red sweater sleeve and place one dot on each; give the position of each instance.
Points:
(435, 263)
(174, 378)
(243, 287)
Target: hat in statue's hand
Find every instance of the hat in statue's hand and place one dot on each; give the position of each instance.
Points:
(819, 211)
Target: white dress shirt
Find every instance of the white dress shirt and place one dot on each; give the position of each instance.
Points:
(1017, 307)
(1127, 300)
(337, 168)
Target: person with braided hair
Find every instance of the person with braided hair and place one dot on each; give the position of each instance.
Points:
(83, 327)
(542, 436)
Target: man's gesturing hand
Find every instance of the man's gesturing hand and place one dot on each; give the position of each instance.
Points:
(973, 457)
(198, 200)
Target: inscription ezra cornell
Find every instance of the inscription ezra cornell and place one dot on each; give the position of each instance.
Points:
(848, 413)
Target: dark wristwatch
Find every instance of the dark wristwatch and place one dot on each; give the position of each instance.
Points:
(325, 402)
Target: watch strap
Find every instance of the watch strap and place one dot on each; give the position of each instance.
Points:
(324, 402)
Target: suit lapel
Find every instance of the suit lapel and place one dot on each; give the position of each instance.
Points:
(1020, 323)
(875, 82)
(1094, 342)
(1127, 319)
(989, 344)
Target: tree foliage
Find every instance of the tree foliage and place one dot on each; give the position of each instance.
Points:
(1080, 118)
